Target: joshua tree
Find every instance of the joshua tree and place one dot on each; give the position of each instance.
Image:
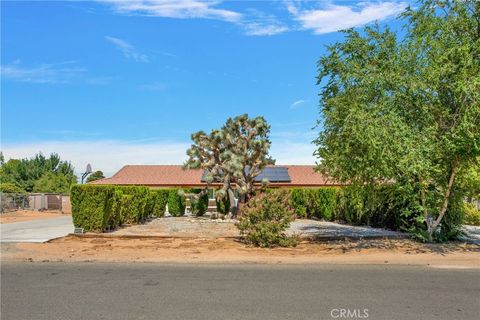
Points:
(233, 155)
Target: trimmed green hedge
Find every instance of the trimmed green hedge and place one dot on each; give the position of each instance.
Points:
(321, 203)
(139, 206)
(92, 207)
(159, 198)
(314, 203)
(176, 202)
(99, 208)
(298, 201)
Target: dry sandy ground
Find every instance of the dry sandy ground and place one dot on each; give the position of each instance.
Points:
(226, 250)
(24, 215)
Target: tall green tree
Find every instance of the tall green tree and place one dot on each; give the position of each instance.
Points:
(24, 173)
(405, 110)
(55, 183)
(97, 175)
(232, 155)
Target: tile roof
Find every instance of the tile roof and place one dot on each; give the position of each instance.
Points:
(176, 176)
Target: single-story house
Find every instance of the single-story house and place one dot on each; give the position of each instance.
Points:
(175, 176)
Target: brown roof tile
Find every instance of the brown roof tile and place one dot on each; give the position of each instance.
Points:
(176, 176)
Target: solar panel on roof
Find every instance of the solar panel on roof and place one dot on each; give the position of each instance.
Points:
(273, 174)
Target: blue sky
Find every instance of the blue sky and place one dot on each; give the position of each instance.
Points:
(126, 82)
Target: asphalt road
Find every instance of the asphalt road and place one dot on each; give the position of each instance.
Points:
(36, 230)
(150, 291)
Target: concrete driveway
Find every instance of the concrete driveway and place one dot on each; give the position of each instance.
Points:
(36, 230)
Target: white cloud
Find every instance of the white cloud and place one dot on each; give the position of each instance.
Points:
(63, 72)
(127, 49)
(297, 103)
(333, 18)
(110, 155)
(181, 9)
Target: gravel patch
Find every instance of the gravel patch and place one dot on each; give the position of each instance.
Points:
(325, 229)
(204, 227)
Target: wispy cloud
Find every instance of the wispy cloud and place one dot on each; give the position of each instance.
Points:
(331, 17)
(127, 49)
(253, 22)
(52, 73)
(261, 29)
(258, 23)
(297, 104)
(182, 9)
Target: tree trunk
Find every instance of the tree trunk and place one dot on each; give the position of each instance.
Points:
(233, 206)
(241, 203)
(433, 224)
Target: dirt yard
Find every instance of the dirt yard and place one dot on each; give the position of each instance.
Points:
(222, 250)
(24, 215)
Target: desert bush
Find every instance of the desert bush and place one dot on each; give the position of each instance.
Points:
(176, 202)
(265, 219)
(472, 214)
(92, 207)
(200, 203)
(160, 199)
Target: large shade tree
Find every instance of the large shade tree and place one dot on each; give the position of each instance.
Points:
(233, 155)
(405, 110)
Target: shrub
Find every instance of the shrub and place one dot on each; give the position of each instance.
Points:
(160, 198)
(472, 214)
(200, 204)
(92, 207)
(265, 219)
(298, 201)
(176, 202)
(223, 203)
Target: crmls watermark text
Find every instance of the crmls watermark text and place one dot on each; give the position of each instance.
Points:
(342, 313)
